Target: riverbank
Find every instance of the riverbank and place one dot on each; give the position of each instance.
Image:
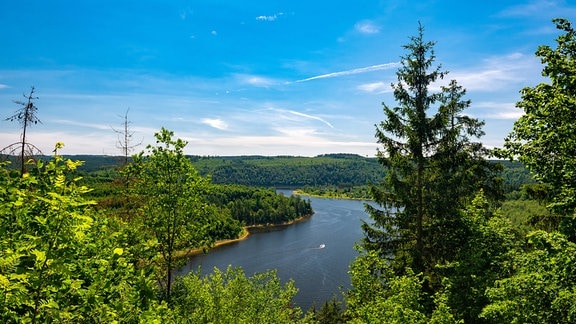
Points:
(328, 195)
(246, 232)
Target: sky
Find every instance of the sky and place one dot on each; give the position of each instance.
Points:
(252, 77)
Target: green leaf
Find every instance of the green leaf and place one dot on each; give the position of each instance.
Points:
(40, 255)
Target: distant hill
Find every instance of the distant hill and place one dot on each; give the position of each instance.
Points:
(345, 170)
(291, 171)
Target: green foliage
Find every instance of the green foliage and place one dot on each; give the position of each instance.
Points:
(544, 138)
(173, 209)
(59, 260)
(258, 206)
(485, 256)
(527, 215)
(63, 261)
(332, 191)
(542, 288)
(380, 296)
(288, 171)
(331, 312)
(514, 176)
(231, 297)
(433, 169)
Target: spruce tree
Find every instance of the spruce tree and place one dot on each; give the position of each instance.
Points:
(433, 167)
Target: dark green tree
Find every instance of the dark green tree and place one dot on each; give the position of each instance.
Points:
(457, 169)
(542, 288)
(544, 138)
(433, 168)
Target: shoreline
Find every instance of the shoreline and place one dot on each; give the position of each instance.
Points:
(303, 193)
(247, 231)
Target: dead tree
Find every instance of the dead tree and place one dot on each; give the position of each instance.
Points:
(125, 138)
(26, 116)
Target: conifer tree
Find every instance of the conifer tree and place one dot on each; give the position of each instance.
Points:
(433, 168)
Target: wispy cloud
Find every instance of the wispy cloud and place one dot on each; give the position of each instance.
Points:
(375, 87)
(305, 141)
(534, 8)
(498, 110)
(3, 86)
(372, 68)
(367, 27)
(270, 18)
(309, 117)
(513, 71)
(81, 124)
(256, 80)
(185, 13)
(215, 123)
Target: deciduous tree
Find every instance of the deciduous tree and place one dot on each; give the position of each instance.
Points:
(542, 289)
(232, 297)
(174, 209)
(59, 260)
(544, 138)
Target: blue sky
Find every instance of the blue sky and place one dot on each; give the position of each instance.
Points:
(255, 77)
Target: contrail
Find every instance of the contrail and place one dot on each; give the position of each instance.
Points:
(378, 67)
(311, 117)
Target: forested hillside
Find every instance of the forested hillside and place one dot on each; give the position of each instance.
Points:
(287, 171)
(336, 170)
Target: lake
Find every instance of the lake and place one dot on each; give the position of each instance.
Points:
(315, 253)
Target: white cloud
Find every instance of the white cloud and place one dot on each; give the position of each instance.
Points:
(215, 122)
(513, 71)
(78, 143)
(3, 86)
(81, 124)
(372, 68)
(375, 87)
(286, 141)
(269, 18)
(367, 27)
(498, 110)
(257, 81)
(185, 13)
(534, 8)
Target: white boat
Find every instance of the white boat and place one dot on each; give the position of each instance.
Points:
(322, 246)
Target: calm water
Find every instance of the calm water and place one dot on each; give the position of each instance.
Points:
(315, 253)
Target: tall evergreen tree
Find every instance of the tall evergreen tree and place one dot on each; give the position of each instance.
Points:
(432, 166)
